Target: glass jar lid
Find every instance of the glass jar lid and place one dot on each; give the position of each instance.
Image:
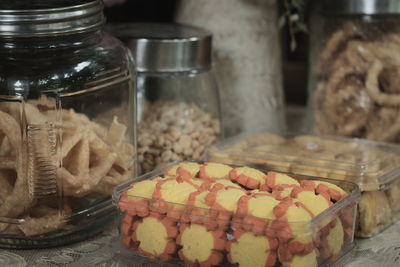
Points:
(360, 7)
(166, 47)
(21, 18)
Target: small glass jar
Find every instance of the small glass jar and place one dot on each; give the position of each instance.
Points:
(178, 101)
(354, 69)
(67, 124)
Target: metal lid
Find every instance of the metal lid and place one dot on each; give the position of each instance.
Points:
(360, 7)
(166, 47)
(21, 18)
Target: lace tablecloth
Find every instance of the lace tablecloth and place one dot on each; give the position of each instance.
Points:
(106, 250)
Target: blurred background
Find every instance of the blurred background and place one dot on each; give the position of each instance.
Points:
(294, 60)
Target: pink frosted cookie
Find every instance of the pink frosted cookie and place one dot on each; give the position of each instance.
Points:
(248, 177)
(248, 249)
(186, 169)
(136, 199)
(206, 253)
(255, 212)
(223, 204)
(335, 192)
(212, 171)
(332, 244)
(154, 236)
(275, 178)
(171, 196)
(292, 227)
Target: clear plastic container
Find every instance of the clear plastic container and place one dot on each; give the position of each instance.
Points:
(372, 165)
(67, 124)
(178, 98)
(214, 236)
(354, 66)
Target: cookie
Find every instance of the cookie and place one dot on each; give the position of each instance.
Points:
(154, 237)
(335, 192)
(171, 196)
(275, 178)
(255, 212)
(248, 177)
(186, 168)
(212, 171)
(200, 247)
(249, 250)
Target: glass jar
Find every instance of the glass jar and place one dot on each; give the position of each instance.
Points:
(354, 69)
(67, 124)
(178, 102)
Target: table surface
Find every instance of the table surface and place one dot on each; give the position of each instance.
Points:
(382, 250)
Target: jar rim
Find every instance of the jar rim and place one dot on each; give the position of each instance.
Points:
(67, 19)
(359, 7)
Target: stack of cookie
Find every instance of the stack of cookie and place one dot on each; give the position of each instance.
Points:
(210, 213)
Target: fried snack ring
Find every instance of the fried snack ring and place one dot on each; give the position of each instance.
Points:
(337, 41)
(171, 195)
(321, 187)
(331, 245)
(186, 168)
(374, 213)
(154, 237)
(384, 118)
(308, 260)
(346, 105)
(248, 177)
(206, 253)
(136, 200)
(223, 204)
(212, 171)
(255, 212)
(247, 249)
(372, 87)
(274, 178)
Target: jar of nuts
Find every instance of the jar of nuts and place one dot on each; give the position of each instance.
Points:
(178, 102)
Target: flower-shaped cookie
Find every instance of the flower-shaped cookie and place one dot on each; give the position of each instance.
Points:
(223, 203)
(170, 196)
(331, 245)
(154, 237)
(292, 226)
(212, 171)
(335, 192)
(255, 212)
(276, 178)
(136, 199)
(200, 247)
(248, 177)
(246, 249)
(186, 169)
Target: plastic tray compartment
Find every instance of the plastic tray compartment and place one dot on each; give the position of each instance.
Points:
(374, 166)
(213, 236)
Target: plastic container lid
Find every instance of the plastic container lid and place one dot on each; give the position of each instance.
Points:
(372, 165)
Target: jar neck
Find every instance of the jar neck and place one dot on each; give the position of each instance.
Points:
(44, 44)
